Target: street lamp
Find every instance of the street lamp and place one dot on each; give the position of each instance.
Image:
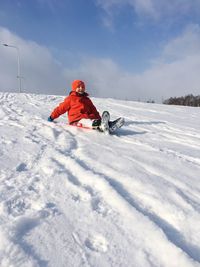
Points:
(18, 65)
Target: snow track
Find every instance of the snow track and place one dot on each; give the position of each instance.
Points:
(74, 197)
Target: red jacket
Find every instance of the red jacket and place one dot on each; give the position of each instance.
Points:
(78, 107)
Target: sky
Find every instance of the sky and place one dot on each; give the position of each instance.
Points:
(126, 49)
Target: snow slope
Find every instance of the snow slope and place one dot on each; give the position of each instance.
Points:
(74, 197)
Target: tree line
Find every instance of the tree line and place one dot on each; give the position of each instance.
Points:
(188, 100)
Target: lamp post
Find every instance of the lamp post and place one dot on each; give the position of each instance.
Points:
(18, 66)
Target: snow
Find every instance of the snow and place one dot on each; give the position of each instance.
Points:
(76, 197)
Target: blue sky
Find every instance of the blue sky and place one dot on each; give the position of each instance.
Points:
(130, 49)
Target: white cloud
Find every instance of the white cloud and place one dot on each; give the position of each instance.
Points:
(144, 7)
(152, 9)
(174, 73)
(187, 44)
(40, 70)
(177, 78)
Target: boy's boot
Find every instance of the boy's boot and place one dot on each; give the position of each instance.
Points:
(104, 127)
(96, 124)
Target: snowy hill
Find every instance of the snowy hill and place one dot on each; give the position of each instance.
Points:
(74, 197)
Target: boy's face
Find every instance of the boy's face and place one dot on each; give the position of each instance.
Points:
(80, 90)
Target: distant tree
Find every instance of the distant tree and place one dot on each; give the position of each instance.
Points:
(188, 100)
(150, 101)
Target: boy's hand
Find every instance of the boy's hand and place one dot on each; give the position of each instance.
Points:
(50, 119)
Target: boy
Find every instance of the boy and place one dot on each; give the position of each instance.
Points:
(81, 110)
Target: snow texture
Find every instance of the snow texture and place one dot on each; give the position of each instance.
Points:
(76, 197)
